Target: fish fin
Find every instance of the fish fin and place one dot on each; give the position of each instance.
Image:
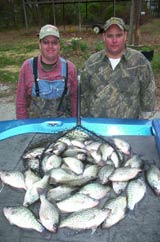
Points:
(93, 230)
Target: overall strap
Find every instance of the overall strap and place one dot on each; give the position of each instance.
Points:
(35, 61)
(65, 75)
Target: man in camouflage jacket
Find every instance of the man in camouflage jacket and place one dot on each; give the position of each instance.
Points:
(117, 82)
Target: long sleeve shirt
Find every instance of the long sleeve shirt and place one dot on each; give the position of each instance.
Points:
(26, 80)
(124, 92)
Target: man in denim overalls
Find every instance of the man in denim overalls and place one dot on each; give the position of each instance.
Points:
(53, 93)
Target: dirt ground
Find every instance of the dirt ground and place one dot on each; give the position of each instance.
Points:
(7, 101)
(8, 90)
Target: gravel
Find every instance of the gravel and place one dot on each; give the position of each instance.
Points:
(7, 102)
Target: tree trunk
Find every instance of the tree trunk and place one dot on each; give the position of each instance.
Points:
(137, 21)
(131, 23)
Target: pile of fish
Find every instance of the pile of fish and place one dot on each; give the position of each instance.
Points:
(79, 183)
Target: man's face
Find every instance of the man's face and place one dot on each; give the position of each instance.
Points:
(50, 47)
(115, 40)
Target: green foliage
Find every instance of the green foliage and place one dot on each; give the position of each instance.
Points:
(84, 46)
(156, 64)
(9, 76)
(75, 43)
(99, 46)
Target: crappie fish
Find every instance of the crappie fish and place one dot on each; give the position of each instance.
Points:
(60, 192)
(74, 164)
(61, 176)
(122, 145)
(134, 161)
(91, 171)
(13, 178)
(105, 150)
(23, 218)
(124, 174)
(59, 147)
(117, 207)
(119, 186)
(33, 153)
(91, 145)
(104, 173)
(31, 194)
(65, 140)
(33, 164)
(74, 152)
(48, 213)
(97, 157)
(77, 202)
(50, 161)
(95, 190)
(77, 143)
(115, 158)
(86, 219)
(79, 181)
(153, 178)
(30, 178)
(136, 190)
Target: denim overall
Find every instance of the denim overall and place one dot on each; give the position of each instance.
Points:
(47, 103)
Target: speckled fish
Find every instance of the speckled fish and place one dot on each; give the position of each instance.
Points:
(124, 174)
(91, 145)
(30, 178)
(95, 190)
(134, 161)
(119, 186)
(50, 161)
(48, 212)
(77, 143)
(23, 218)
(13, 178)
(61, 176)
(33, 164)
(77, 202)
(59, 147)
(122, 145)
(33, 153)
(79, 181)
(91, 171)
(136, 190)
(153, 178)
(117, 207)
(74, 164)
(86, 219)
(105, 150)
(104, 173)
(31, 194)
(116, 159)
(75, 152)
(60, 192)
(65, 140)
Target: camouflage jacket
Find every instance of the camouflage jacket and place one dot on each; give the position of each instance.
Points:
(124, 92)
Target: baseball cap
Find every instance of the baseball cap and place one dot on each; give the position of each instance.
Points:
(49, 30)
(114, 20)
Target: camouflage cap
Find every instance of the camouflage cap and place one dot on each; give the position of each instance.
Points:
(114, 20)
(49, 30)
